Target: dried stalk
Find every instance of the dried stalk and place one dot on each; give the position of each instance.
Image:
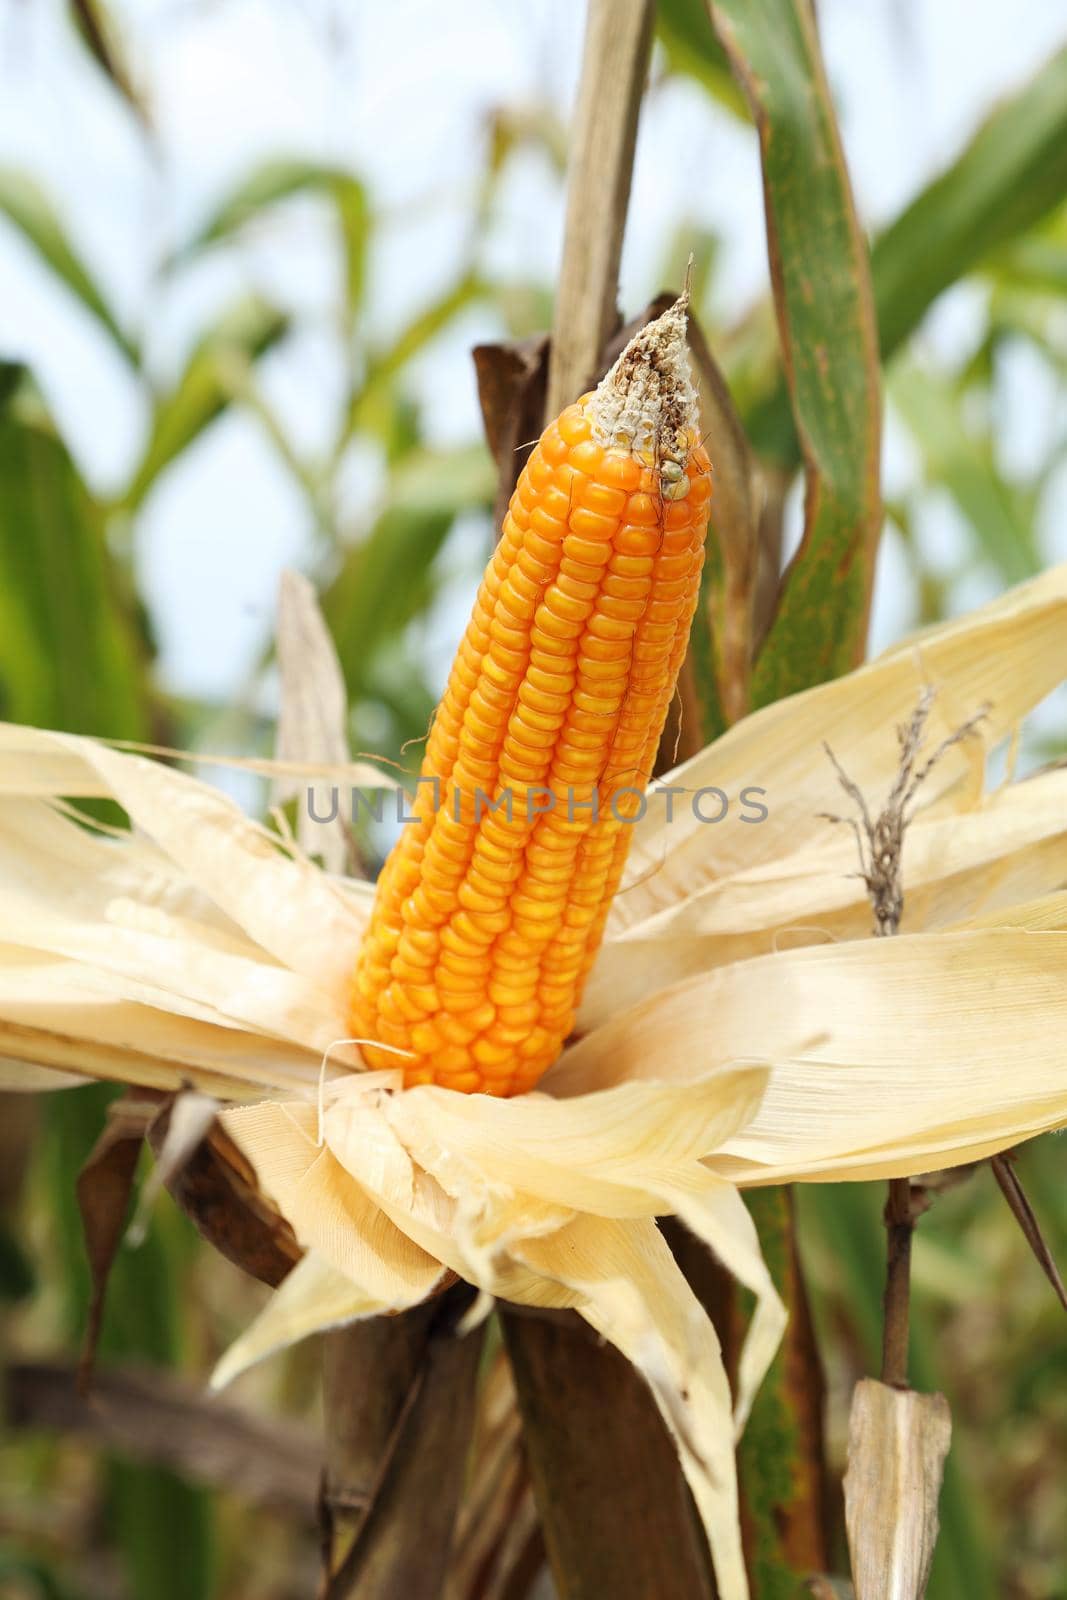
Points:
(880, 846)
(1023, 1212)
(898, 1439)
(896, 1302)
(155, 1417)
(616, 1513)
(615, 1510)
(618, 46)
(401, 1446)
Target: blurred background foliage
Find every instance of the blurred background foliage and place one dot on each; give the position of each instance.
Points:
(391, 490)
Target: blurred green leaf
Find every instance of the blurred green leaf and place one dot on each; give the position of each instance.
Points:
(277, 181)
(162, 1524)
(387, 578)
(33, 1578)
(1000, 515)
(17, 1277)
(219, 366)
(96, 29)
(1011, 174)
(780, 1454)
(26, 206)
(821, 280)
(1037, 264)
(71, 653)
(374, 406)
(686, 34)
(690, 242)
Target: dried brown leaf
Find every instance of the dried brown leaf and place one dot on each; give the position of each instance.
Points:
(104, 1190)
(1023, 1212)
(498, 1534)
(511, 392)
(614, 1505)
(735, 529)
(402, 1540)
(217, 1190)
(897, 1444)
(190, 1117)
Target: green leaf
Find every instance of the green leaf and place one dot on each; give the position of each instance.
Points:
(691, 47)
(1012, 173)
(72, 651)
(26, 206)
(780, 1454)
(162, 1525)
(374, 406)
(821, 280)
(17, 1277)
(31, 1579)
(1034, 264)
(277, 181)
(1001, 516)
(96, 28)
(215, 374)
(387, 578)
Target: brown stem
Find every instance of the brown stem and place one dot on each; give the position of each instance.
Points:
(614, 1507)
(900, 1225)
(159, 1419)
(399, 1393)
(618, 47)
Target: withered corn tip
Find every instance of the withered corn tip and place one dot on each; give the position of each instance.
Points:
(489, 912)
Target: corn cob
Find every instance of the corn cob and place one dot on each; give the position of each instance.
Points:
(485, 923)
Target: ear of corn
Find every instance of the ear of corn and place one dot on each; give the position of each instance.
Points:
(490, 909)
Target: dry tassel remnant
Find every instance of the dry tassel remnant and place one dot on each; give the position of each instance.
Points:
(880, 841)
(491, 908)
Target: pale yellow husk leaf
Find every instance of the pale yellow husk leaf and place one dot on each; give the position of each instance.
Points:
(314, 1296)
(1011, 847)
(178, 953)
(888, 1057)
(280, 901)
(200, 950)
(61, 765)
(1045, 914)
(550, 1203)
(1009, 655)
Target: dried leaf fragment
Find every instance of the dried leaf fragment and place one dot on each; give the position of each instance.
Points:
(1025, 1216)
(897, 1444)
(104, 1190)
(880, 840)
(312, 716)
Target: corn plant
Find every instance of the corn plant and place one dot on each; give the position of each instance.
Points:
(531, 1129)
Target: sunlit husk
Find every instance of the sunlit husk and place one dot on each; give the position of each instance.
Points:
(200, 949)
(888, 1056)
(957, 867)
(278, 900)
(314, 1296)
(1008, 655)
(550, 1203)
